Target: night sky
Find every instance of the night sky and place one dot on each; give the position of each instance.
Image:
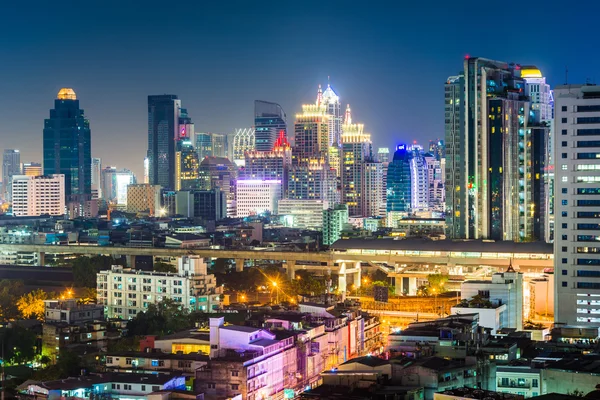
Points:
(387, 59)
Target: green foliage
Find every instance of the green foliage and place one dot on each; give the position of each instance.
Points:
(19, 344)
(86, 268)
(161, 318)
(437, 282)
(67, 364)
(576, 393)
(386, 284)
(307, 283)
(10, 291)
(124, 344)
(164, 267)
(476, 302)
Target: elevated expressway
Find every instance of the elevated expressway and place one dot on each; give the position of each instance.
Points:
(404, 260)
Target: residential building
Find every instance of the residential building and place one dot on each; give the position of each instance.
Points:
(334, 221)
(493, 194)
(577, 173)
(505, 288)
(156, 362)
(520, 380)
(383, 154)
(243, 141)
(257, 196)
(163, 130)
(11, 165)
(71, 311)
(114, 185)
(146, 170)
(269, 165)
(38, 195)
(270, 122)
(67, 148)
(143, 197)
(372, 188)
(126, 292)
(307, 214)
(492, 316)
(419, 179)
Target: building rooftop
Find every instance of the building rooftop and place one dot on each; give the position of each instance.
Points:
(241, 328)
(188, 334)
(90, 380)
(481, 394)
(417, 244)
(586, 364)
(368, 361)
(157, 355)
(434, 363)
(264, 342)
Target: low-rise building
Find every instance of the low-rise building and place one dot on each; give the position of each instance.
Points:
(521, 380)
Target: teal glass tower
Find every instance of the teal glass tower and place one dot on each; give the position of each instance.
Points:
(67, 146)
(399, 181)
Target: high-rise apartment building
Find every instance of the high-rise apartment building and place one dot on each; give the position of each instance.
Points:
(143, 197)
(146, 170)
(163, 131)
(96, 178)
(32, 169)
(577, 173)
(356, 149)
(11, 165)
(333, 108)
(383, 154)
(203, 144)
(220, 172)
(186, 166)
(419, 181)
(268, 165)
(307, 214)
(270, 122)
(67, 147)
(243, 142)
(334, 221)
(38, 195)
(490, 160)
(372, 190)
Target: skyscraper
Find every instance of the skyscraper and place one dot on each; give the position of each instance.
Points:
(243, 141)
(577, 155)
(96, 178)
(11, 165)
(186, 166)
(490, 163)
(269, 122)
(114, 185)
(221, 173)
(204, 145)
(331, 101)
(356, 149)
(220, 145)
(163, 131)
(372, 188)
(38, 195)
(399, 189)
(32, 169)
(67, 148)
(419, 182)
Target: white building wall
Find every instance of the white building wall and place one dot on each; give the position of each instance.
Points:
(302, 213)
(37, 195)
(257, 196)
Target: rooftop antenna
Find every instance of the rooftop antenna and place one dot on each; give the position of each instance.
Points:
(566, 75)
(328, 81)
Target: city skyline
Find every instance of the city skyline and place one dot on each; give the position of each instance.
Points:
(380, 83)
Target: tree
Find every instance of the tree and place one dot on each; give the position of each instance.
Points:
(19, 344)
(31, 305)
(160, 318)
(437, 282)
(10, 291)
(86, 268)
(164, 267)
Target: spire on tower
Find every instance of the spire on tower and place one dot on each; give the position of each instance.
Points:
(348, 115)
(319, 96)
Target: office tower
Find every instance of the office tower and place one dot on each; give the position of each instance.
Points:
(356, 149)
(114, 185)
(372, 188)
(143, 197)
(270, 122)
(32, 169)
(256, 196)
(243, 141)
(186, 166)
(67, 148)
(220, 172)
(383, 154)
(331, 101)
(204, 145)
(490, 163)
(163, 131)
(185, 126)
(418, 179)
(399, 188)
(577, 173)
(38, 195)
(220, 145)
(146, 170)
(96, 178)
(542, 110)
(311, 176)
(11, 165)
(436, 192)
(437, 148)
(206, 205)
(334, 221)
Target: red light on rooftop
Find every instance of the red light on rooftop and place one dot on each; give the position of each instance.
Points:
(467, 56)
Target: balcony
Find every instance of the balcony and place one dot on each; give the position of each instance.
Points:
(514, 385)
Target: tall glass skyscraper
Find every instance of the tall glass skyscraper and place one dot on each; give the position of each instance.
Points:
(269, 122)
(67, 147)
(11, 165)
(399, 191)
(163, 131)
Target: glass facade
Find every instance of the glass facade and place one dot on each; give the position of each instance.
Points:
(162, 132)
(67, 148)
(269, 122)
(399, 181)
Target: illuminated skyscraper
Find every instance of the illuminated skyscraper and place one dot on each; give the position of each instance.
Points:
(243, 141)
(383, 154)
(372, 188)
(220, 145)
(221, 173)
(163, 131)
(146, 170)
(67, 148)
(11, 165)
(356, 149)
(203, 144)
(399, 188)
(32, 169)
(186, 166)
(331, 101)
(419, 181)
(493, 151)
(269, 122)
